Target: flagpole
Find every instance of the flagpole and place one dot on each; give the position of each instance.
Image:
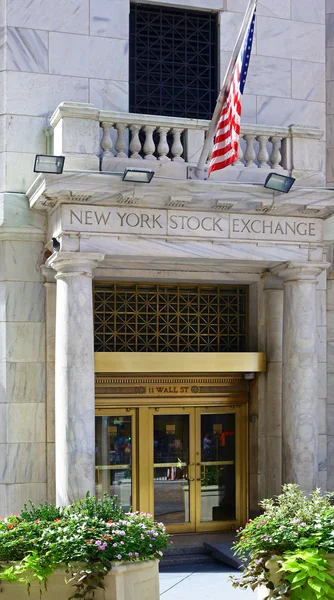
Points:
(220, 101)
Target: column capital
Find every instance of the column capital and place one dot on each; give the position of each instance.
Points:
(74, 263)
(294, 271)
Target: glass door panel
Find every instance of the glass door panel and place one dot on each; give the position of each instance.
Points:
(216, 471)
(172, 490)
(114, 460)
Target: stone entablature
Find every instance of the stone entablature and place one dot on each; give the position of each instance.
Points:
(183, 223)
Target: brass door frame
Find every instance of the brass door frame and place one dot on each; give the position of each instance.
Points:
(182, 410)
(241, 468)
(121, 412)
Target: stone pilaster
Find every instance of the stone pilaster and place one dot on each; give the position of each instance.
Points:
(300, 375)
(74, 375)
(273, 405)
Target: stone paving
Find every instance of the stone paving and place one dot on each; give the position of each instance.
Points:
(200, 582)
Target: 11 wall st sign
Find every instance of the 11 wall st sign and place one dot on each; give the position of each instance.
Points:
(182, 223)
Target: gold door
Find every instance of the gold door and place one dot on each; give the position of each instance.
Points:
(173, 473)
(221, 468)
(115, 455)
(199, 468)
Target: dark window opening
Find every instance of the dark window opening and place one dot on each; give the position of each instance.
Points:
(173, 61)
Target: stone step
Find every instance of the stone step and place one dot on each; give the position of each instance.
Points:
(223, 553)
(186, 559)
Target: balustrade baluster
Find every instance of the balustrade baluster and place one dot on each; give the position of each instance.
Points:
(106, 141)
(263, 155)
(135, 145)
(250, 155)
(163, 147)
(149, 146)
(177, 148)
(120, 144)
(275, 156)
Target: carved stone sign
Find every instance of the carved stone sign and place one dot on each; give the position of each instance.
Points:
(187, 223)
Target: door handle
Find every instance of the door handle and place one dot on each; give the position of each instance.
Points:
(190, 479)
(198, 479)
(191, 464)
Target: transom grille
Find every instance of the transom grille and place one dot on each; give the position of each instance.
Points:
(173, 61)
(170, 318)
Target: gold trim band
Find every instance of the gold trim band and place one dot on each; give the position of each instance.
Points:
(180, 362)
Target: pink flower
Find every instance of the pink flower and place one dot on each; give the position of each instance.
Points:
(119, 556)
(122, 543)
(130, 554)
(37, 521)
(136, 554)
(150, 545)
(115, 545)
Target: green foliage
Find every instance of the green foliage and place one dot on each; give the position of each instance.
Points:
(85, 537)
(294, 533)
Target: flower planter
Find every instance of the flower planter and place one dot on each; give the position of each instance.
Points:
(275, 577)
(126, 581)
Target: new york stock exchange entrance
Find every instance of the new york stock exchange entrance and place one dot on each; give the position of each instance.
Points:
(171, 409)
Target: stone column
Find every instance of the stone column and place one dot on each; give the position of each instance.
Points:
(74, 374)
(299, 375)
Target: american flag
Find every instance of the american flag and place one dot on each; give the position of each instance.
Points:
(225, 149)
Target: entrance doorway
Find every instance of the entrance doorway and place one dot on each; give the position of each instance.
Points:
(185, 465)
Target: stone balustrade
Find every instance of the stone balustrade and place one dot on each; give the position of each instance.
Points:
(108, 141)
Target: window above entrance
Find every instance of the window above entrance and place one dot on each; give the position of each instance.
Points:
(170, 318)
(173, 61)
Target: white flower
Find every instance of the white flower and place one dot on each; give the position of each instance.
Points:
(318, 526)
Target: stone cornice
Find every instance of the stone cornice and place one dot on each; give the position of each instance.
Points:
(48, 191)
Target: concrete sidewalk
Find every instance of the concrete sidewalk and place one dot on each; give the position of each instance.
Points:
(200, 582)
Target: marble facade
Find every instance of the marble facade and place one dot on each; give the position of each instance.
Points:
(75, 54)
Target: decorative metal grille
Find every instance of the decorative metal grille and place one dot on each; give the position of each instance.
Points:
(173, 61)
(170, 318)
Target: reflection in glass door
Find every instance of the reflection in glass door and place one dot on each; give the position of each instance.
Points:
(171, 481)
(114, 445)
(217, 467)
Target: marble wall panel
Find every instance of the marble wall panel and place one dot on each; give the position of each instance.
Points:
(273, 450)
(330, 131)
(308, 81)
(51, 473)
(322, 380)
(312, 11)
(330, 478)
(267, 8)
(330, 386)
(3, 133)
(25, 422)
(330, 97)
(322, 415)
(23, 463)
(21, 261)
(19, 493)
(26, 134)
(109, 95)
(110, 18)
(3, 432)
(3, 96)
(330, 63)
(329, 6)
(330, 294)
(88, 56)
(290, 39)
(27, 50)
(321, 307)
(269, 76)
(330, 357)
(285, 111)
(201, 4)
(24, 301)
(330, 30)
(230, 24)
(3, 45)
(25, 382)
(330, 166)
(25, 342)
(322, 451)
(330, 420)
(321, 344)
(330, 451)
(309, 154)
(39, 94)
(15, 212)
(19, 174)
(330, 326)
(274, 399)
(64, 15)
